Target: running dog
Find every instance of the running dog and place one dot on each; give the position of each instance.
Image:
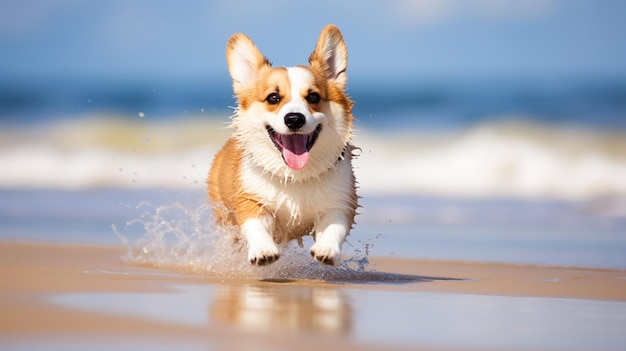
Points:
(286, 171)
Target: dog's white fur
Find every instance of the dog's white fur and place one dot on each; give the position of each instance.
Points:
(253, 186)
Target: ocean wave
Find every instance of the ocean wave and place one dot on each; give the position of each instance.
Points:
(521, 160)
(501, 160)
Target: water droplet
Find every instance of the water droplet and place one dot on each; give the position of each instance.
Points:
(140, 114)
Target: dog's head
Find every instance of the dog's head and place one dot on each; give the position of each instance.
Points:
(293, 121)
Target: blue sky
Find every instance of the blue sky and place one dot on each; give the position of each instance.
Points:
(410, 38)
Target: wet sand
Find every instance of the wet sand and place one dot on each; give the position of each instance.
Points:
(56, 296)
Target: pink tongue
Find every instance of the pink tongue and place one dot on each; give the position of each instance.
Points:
(294, 150)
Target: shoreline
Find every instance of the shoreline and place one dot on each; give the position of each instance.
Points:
(68, 294)
(61, 267)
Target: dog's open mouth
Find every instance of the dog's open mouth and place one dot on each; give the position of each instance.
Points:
(294, 147)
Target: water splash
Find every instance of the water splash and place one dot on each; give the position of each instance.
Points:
(183, 238)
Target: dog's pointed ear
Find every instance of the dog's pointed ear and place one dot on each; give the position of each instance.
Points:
(244, 61)
(331, 56)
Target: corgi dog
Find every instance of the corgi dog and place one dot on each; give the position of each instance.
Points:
(286, 171)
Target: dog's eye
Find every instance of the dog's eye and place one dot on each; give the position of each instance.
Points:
(313, 98)
(272, 99)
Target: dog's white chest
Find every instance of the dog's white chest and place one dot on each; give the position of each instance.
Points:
(303, 202)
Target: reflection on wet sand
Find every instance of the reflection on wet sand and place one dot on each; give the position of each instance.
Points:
(284, 305)
(270, 307)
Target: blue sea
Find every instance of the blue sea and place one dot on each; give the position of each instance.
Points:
(597, 103)
(519, 170)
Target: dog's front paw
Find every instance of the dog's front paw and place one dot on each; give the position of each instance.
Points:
(326, 255)
(263, 256)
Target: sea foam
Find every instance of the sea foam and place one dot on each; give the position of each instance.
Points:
(518, 160)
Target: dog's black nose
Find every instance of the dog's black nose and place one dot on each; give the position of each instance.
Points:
(294, 120)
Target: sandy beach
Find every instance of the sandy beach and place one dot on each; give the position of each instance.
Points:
(64, 296)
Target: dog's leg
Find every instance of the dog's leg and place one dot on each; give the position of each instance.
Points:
(262, 249)
(330, 234)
